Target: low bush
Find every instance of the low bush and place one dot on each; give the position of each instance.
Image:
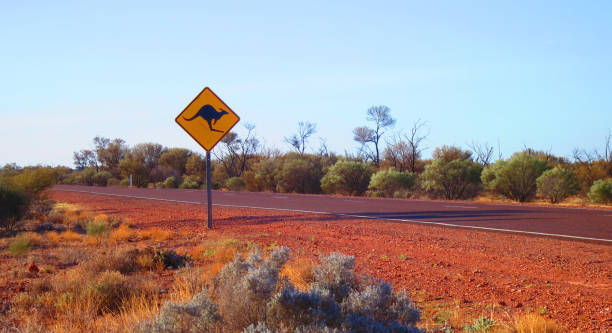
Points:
(516, 178)
(109, 291)
(300, 174)
(98, 227)
(557, 184)
(347, 177)
(199, 314)
(21, 246)
(390, 181)
(13, 205)
(235, 184)
(452, 180)
(601, 191)
(124, 182)
(113, 182)
(101, 178)
(189, 185)
(250, 296)
(171, 182)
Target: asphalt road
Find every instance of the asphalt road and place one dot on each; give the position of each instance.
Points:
(572, 223)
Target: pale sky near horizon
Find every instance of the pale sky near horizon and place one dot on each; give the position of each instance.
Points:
(524, 73)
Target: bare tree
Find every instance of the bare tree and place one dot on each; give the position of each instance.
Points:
(85, 158)
(484, 152)
(305, 131)
(364, 135)
(381, 116)
(584, 156)
(323, 151)
(415, 139)
(235, 152)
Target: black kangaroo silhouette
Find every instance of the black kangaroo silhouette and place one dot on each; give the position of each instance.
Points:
(209, 113)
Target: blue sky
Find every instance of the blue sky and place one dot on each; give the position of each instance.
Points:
(534, 73)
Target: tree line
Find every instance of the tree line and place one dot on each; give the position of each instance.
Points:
(385, 164)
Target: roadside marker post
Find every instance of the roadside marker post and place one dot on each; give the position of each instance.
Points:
(207, 119)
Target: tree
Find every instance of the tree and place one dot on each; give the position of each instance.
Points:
(484, 152)
(381, 116)
(150, 154)
(347, 177)
(134, 165)
(235, 153)
(195, 166)
(85, 158)
(175, 158)
(404, 150)
(109, 153)
(298, 141)
(452, 179)
(515, 178)
(557, 184)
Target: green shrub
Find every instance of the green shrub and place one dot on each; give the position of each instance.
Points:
(34, 180)
(188, 184)
(97, 228)
(250, 181)
(124, 182)
(171, 182)
(101, 178)
(85, 177)
(266, 174)
(299, 174)
(113, 182)
(389, 182)
(347, 177)
(235, 184)
(457, 179)
(481, 325)
(601, 191)
(20, 246)
(516, 178)
(13, 205)
(557, 184)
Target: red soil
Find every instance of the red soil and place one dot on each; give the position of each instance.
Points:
(449, 272)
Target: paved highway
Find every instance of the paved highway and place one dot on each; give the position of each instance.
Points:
(571, 223)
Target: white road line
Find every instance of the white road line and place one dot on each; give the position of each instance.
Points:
(346, 200)
(469, 207)
(280, 197)
(355, 216)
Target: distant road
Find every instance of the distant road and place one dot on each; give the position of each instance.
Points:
(570, 223)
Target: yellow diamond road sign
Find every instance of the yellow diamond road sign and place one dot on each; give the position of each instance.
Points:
(207, 119)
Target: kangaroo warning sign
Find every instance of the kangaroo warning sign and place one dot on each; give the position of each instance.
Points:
(207, 119)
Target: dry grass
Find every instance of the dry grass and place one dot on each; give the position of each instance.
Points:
(123, 233)
(32, 237)
(299, 272)
(188, 282)
(53, 237)
(533, 323)
(155, 234)
(70, 236)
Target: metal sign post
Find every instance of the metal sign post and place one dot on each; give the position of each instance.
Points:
(209, 190)
(207, 119)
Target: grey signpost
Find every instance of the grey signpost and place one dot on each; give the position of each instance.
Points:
(208, 190)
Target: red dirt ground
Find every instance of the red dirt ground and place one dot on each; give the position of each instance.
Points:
(449, 272)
